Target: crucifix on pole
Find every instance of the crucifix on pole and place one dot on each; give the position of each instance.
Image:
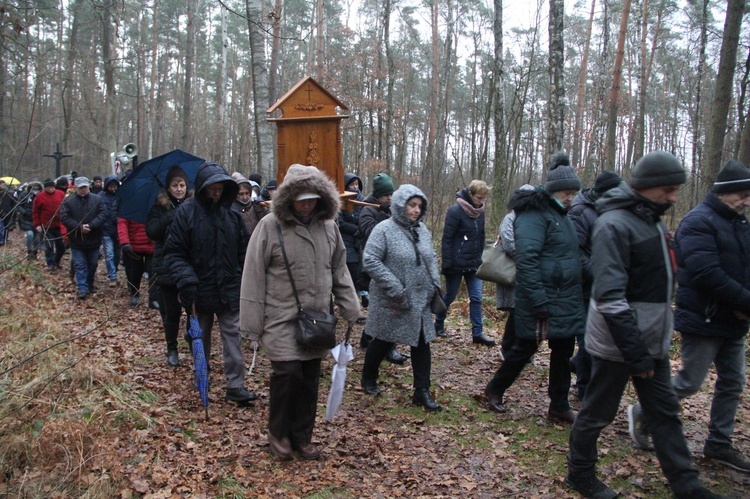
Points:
(58, 155)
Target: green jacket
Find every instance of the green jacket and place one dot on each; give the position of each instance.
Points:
(548, 268)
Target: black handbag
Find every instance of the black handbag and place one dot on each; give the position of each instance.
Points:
(437, 305)
(315, 329)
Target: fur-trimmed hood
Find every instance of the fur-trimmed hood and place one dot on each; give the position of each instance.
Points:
(300, 179)
(398, 204)
(168, 202)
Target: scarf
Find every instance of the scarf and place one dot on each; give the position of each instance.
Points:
(470, 210)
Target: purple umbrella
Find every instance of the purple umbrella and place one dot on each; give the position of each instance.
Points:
(200, 361)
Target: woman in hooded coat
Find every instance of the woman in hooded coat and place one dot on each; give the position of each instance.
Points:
(401, 261)
(304, 209)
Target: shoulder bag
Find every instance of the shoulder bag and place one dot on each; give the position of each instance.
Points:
(314, 329)
(497, 266)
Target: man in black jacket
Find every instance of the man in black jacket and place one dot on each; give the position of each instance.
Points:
(629, 327)
(205, 253)
(713, 308)
(84, 215)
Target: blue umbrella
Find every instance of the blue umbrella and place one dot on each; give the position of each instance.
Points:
(139, 189)
(199, 358)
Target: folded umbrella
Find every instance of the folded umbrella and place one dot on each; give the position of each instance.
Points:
(200, 361)
(342, 354)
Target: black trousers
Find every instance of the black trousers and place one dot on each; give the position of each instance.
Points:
(509, 335)
(171, 313)
(421, 361)
(293, 399)
(559, 369)
(134, 269)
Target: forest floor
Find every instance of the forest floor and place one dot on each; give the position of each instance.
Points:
(89, 408)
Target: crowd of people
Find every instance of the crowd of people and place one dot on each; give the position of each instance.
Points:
(595, 266)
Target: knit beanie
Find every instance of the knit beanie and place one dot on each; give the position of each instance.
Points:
(733, 177)
(382, 185)
(176, 172)
(255, 177)
(97, 177)
(48, 182)
(656, 169)
(62, 183)
(605, 181)
(561, 176)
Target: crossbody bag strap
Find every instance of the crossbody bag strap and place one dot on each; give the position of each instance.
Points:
(288, 269)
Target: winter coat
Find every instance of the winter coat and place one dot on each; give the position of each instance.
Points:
(206, 243)
(349, 224)
(317, 257)
(371, 216)
(46, 209)
(404, 275)
(505, 296)
(80, 210)
(157, 226)
(134, 234)
(630, 312)
(25, 209)
(583, 214)
(712, 245)
(548, 267)
(250, 213)
(463, 238)
(7, 207)
(110, 201)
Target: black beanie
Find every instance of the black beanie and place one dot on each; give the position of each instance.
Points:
(561, 176)
(48, 182)
(733, 177)
(176, 172)
(656, 169)
(255, 177)
(606, 181)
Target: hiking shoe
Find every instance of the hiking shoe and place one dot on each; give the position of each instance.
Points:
(637, 428)
(728, 456)
(239, 395)
(590, 487)
(699, 493)
(113, 283)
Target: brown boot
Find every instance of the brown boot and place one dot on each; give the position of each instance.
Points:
(280, 447)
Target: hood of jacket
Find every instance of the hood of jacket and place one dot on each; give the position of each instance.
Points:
(348, 177)
(213, 173)
(110, 179)
(306, 179)
(537, 199)
(584, 198)
(623, 197)
(398, 204)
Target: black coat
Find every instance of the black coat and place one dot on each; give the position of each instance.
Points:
(206, 243)
(25, 211)
(77, 211)
(463, 239)
(712, 246)
(157, 227)
(583, 214)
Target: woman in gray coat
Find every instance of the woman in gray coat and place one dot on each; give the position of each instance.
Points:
(401, 261)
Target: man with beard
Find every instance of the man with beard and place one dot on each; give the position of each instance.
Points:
(629, 327)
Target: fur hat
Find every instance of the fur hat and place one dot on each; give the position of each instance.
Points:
(561, 176)
(382, 185)
(733, 177)
(605, 181)
(656, 169)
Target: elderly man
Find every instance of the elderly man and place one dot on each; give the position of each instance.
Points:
(713, 308)
(84, 214)
(629, 327)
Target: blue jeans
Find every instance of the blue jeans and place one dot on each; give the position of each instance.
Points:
(728, 355)
(660, 409)
(111, 249)
(54, 246)
(474, 286)
(33, 241)
(84, 264)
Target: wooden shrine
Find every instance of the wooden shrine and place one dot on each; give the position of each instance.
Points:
(308, 130)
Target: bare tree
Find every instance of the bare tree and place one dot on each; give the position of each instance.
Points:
(611, 146)
(186, 139)
(556, 105)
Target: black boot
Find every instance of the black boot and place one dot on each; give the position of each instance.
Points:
(423, 398)
(172, 358)
(364, 341)
(370, 387)
(395, 357)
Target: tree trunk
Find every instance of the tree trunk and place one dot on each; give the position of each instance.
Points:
(186, 137)
(430, 161)
(273, 71)
(69, 74)
(581, 91)
(389, 90)
(500, 178)
(556, 106)
(321, 41)
(219, 146)
(264, 133)
(611, 146)
(723, 93)
(109, 58)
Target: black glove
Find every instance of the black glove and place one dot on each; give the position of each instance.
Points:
(188, 295)
(541, 313)
(128, 250)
